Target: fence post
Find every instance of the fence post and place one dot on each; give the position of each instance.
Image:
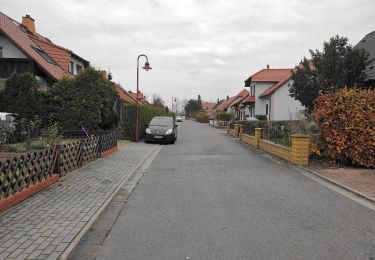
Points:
(241, 132)
(258, 136)
(56, 167)
(236, 130)
(100, 146)
(299, 154)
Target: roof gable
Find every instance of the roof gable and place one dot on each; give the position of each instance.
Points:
(13, 30)
(271, 75)
(124, 95)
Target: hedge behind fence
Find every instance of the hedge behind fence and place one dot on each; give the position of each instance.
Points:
(347, 124)
(201, 116)
(146, 113)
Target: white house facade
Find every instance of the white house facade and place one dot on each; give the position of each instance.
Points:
(270, 88)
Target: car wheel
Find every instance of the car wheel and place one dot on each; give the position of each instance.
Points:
(172, 142)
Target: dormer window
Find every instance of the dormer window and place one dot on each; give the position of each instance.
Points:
(71, 67)
(44, 54)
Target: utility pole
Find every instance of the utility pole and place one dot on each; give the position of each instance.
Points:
(174, 105)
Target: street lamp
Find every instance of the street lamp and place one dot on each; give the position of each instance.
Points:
(147, 68)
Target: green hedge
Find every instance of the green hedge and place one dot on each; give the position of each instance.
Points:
(223, 116)
(146, 113)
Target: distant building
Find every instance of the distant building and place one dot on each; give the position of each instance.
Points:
(368, 43)
(270, 88)
(23, 50)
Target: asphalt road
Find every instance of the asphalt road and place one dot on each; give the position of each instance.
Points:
(211, 197)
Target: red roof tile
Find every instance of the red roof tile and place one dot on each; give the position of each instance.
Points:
(224, 105)
(248, 99)
(57, 53)
(124, 95)
(240, 96)
(13, 30)
(278, 76)
(271, 75)
(208, 105)
(231, 100)
(274, 87)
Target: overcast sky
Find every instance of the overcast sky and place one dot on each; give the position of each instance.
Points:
(206, 47)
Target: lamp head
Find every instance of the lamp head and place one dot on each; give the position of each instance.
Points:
(147, 66)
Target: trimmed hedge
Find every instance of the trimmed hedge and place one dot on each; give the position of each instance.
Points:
(223, 116)
(201, 117)
(146, 113)
(347, 124)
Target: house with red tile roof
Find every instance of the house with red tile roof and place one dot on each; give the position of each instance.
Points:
(208, 105)
(270, 89)
(125, 95)
(23, 50)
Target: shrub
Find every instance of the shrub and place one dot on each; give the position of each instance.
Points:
(347, 124)
(201, 116)
(87, 99)
(146, 113)
(223, 116)
(22, 96)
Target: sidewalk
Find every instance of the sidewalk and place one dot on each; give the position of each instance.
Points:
(43, 226)
(358, 180)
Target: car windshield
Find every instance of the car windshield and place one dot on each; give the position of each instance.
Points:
(161, 122)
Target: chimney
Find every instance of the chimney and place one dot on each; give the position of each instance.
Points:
(28, 22)
(268, 66)
(104, 74)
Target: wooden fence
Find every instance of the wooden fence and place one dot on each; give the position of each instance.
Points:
(21, 172)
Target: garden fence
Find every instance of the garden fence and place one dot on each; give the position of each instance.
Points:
(23, 171)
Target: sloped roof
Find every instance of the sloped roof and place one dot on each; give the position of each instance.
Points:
(19, 36)
(240, 96)
(208, 105)
(274, 87)
(277, 76)
(368, 43)
(57, 53)
(124, 95)
(271, 75)
(248, 99)
(224, 105)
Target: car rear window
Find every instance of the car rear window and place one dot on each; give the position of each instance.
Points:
(161, 122)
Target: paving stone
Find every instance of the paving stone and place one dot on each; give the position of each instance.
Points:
(54, 256)
(4, 256)
(61, 247)
(43, 226)
(21, 257)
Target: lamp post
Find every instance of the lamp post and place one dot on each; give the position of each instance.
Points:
(146, 67)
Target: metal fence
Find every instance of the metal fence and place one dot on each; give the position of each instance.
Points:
(22, 171)
(277, 134)
(249, 129)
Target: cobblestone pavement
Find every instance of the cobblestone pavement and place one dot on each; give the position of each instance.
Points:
(43, 226)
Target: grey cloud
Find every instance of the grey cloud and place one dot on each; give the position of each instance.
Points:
(206, 47)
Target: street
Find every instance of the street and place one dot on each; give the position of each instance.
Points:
(209, 196)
